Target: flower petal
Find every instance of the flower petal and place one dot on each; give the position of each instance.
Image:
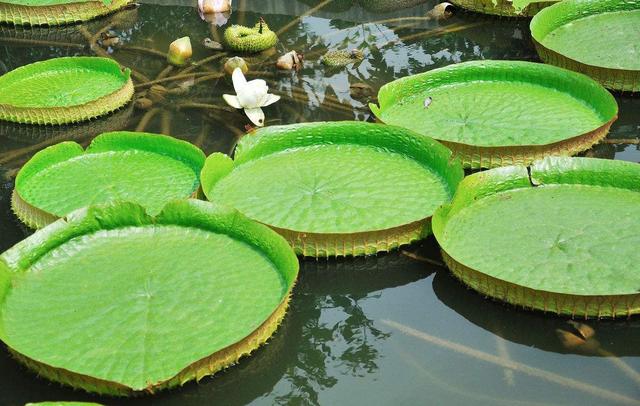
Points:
(271, 98)
(232, 101)
(258, 83)
(239, 81)
(250, 97)
(256, 116)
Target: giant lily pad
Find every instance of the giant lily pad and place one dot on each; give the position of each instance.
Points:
(64, 90)
(597, 37)
(559, 236)
(336, 189)
(498, 113)
(114, 301)
(55, 12)
(149, 169)
(505, 8)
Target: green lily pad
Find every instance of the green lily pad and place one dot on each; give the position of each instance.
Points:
(130, 303)
(505, 8)
(149, 169)
(600, 38)
(498, 113)
(336, 189)
(543, 237)
(64, 90)
(56, 12)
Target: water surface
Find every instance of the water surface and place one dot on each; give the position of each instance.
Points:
(365, 331)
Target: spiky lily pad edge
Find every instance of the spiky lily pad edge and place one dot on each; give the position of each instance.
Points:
(70, 114)
(610, 306)
(476, 157)
(622, 80)
(545, 171)
(36, 218)
(328, 245)
(614, 79)
(57, 14)
(315, 245)
(187, 213)
(208, 366)
(502, 8)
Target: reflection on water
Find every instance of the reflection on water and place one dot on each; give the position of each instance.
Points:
(340, 342)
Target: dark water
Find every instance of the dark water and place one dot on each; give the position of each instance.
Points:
(366, 331)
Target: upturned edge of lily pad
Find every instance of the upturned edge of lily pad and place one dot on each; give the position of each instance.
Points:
(36, 218)
(57, 14)
(564, 12)
(551, 170)
(186, 213)
(274, 139)
(477, 157)
(70, 114)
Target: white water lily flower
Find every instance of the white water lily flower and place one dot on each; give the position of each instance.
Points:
(250, 96)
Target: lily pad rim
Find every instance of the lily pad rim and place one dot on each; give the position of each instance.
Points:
(377, 109)
(523, 177)
(192, 156)
(201, 215)
(108, 62)
(539, 42)
(222, 165)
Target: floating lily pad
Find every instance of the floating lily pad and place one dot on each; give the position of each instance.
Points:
(64, 90)
(498, 113)
(336, 189)
(114, 301)
(149, 169)
(543, 237)
(55, 12)
(505, 8)
(596, 37)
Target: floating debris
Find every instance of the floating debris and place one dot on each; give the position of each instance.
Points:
(342, 58)
(441, 11)
(236, 62)
(211, 44)
(180, 51)
(290, 60)
(361, 90)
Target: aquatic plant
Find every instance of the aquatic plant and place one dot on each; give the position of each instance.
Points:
(505, 8)
(498, 113)
(234, 63)
(180, 51)
(336, 188)
(547, 250)
(56, 12)
(64, 90)
(250, 40)
(155, 311)
(342, 58)
(214, 6)
(149, 169)
(250, 96)
(578, 35)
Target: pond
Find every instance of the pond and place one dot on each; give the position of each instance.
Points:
(390, 329)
